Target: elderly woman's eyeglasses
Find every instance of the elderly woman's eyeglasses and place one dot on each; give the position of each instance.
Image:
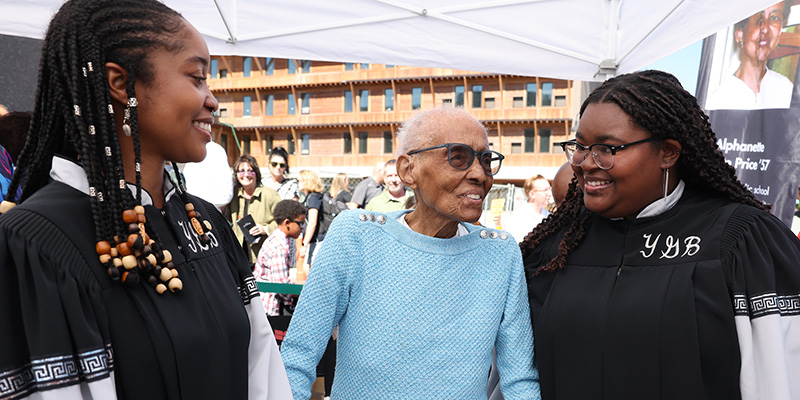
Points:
(602, 154)
(461, 156)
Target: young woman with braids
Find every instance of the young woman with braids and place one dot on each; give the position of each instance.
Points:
(114, 283)
(660, 276)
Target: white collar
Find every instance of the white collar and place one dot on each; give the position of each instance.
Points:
(70, 173)
(660, 206)
(461, 231)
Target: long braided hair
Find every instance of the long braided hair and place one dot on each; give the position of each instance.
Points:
(73, 114)
(656, 102)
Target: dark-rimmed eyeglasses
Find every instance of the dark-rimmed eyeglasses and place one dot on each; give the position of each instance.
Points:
(301, 224)
(277, 164)
(602, 154)
(461, 156)
(248, 172)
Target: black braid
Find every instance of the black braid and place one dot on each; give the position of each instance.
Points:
(657, 103)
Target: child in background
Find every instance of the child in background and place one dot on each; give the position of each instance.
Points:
(278, 253)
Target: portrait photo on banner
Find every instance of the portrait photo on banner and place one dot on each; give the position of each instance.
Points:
(754, 62)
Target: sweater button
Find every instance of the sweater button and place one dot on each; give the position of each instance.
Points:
(484, 234)
(503, 236)
(372, 217)
(362, 217)
(381, 219)
(493, 235)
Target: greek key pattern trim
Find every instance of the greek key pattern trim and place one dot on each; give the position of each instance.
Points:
(53, 372)
(766, 304)
(249, 289)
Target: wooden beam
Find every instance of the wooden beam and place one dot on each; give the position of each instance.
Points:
(261, 108)
(396, 97)
(227, 62)
(502, 93)
(353, 97)
(433, 92)
(258, 64)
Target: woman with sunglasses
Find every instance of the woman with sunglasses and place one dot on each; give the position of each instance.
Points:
(421, 296)
(278, 170)
(251, 207)
(660, 276)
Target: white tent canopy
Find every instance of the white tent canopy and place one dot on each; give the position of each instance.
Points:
(568, 39)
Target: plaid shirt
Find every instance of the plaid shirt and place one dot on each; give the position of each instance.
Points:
(277, 254)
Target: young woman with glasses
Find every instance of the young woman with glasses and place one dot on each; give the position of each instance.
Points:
(251, 198)
(660, 276)
(421, 296)
(278, 171)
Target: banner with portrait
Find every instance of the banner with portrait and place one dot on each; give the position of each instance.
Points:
(749, 84)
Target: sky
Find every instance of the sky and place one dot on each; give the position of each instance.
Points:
(684, 64)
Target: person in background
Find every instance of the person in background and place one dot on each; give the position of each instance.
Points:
(561, 181)
(13, 131)
(278, 253)
(6, 171)
(372, 281)
(277, 180)
(369, 187)
(339, 192)
(251, 198)
(114, 283)
(312, 188)
(530, 214)
(660, 276)
(210, 179)
(394, 197)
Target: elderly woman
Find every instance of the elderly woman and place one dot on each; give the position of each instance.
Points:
(660, 276)
(420, 296)
(753, 85)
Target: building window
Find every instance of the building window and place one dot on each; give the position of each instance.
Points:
(459, 92)
(530, 92)
(246, 100)
(348, 66)
(489, 102)
(214, 68)
(292, 104)
(348, 101)
(246, 64)
(306, 143)
(292, 67)
(416, 98)
(348, 143)
(266, 144)
(517, 103)
(389, 66)
(561, 101)
(388, 95)
(364, 66)
(477, 96)
(362, 142)
(223, 73)
(246, 144)
(547, 94)
(269, 64)
(516, 148)
(270, 104)
(544, 139)
(387, 142)
(223, 112)
(306, 66)
(447, 103)
(223, 139)
(290, 144)
(530, 139)
(364, 100)
(306, 106)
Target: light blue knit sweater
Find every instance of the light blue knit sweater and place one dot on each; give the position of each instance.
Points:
(418, 316)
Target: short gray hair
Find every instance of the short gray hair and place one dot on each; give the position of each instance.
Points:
(417, 131)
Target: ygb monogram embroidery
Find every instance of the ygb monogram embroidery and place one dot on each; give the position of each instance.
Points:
(671, 246)
(194, 240)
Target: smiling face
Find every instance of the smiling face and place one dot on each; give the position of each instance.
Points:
(175, 110)
(393, 183)
(635, 180)
(443, 191)
(761, 33)
(246, 175)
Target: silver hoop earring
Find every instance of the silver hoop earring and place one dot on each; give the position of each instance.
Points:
(666, 183)
(126, 120)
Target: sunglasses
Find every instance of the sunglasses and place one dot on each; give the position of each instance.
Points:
(301, 224)
(277, 164)
(461, 156)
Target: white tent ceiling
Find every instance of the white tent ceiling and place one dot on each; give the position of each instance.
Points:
(569, 39)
